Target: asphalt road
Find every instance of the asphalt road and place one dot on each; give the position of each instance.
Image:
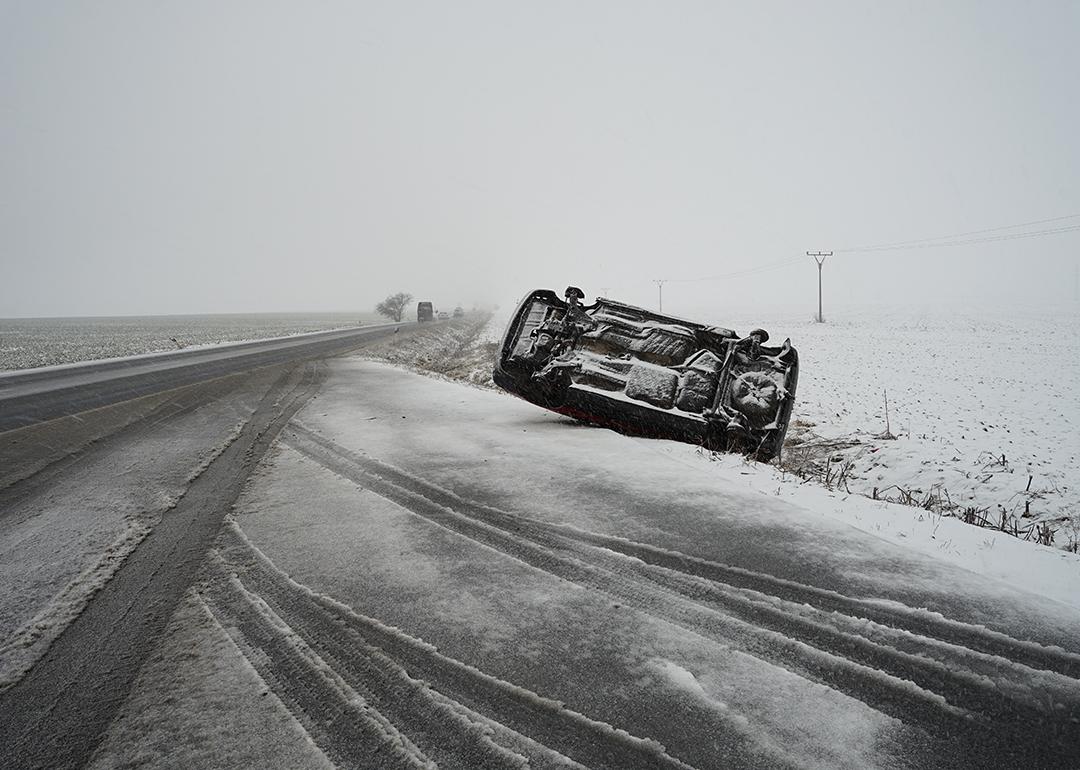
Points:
(36, 395)
(54, 421)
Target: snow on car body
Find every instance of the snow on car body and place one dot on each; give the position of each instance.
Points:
(643, 373)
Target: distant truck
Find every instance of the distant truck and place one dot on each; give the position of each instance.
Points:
(459, 312)
(424, 312)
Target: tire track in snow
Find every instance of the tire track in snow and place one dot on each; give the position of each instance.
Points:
(39, 460)
(349, 731)
(519, 537)
(861, 647)
(919, 622)
(384, 687)
(427, 695)
(57, 714)
(540, 757)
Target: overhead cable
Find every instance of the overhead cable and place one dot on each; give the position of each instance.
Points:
(898, 244)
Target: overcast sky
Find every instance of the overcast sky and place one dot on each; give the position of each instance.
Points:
(192, 157)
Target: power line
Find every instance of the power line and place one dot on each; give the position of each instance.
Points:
(899, 244)
(957, 239)
(914, 244)
(968, 241)
(738, 273)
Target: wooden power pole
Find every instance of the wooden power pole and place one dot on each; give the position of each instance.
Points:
(819, 257)
(660, 288)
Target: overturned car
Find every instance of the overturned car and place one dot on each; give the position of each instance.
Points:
(646, 374)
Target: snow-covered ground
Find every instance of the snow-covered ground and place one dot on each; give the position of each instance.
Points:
(984, 405)
(1045, 571)
(463, 349)
(580, 583)
(984, 410)
(521, 581)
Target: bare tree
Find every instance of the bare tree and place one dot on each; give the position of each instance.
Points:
(393, 307)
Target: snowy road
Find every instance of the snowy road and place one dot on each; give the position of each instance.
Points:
(105, 516)
(419, 572)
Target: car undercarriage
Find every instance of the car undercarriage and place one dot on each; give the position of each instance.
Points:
(643, 373)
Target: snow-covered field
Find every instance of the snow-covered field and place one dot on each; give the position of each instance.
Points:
(33, 342)
(984, 411)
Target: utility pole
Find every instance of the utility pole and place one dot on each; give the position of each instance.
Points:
(660, 288)
(819, 257)
(605, 291)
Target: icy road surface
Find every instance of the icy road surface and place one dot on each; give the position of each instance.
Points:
(422, 573)
(31, 396)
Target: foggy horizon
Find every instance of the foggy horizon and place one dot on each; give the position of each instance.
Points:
(255, 158)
